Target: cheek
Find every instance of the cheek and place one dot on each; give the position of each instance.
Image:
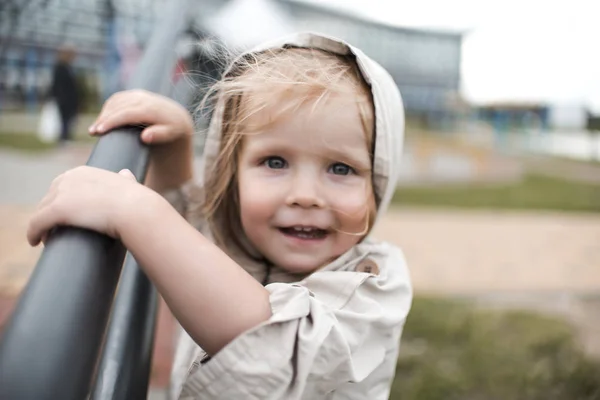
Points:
(255, 201)
(354, 204)
(355, 213)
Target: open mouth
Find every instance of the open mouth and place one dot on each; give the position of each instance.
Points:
(304, 232)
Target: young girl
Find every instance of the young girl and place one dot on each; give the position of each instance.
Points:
(282, 292)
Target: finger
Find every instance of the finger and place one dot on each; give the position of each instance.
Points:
(51, 193)
(99, 126)
(127, 173)
(34, 232)
(57, 181)
(125, 116)
(114, 102)
(42, 221)
(45, 238)
(156, 134)
(48, 199)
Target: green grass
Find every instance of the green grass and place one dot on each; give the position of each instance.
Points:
(453, 350)
(532, 192)
(28, 142)
(579, 162)
(24, 142)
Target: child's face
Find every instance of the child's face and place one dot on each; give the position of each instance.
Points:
(305, 185)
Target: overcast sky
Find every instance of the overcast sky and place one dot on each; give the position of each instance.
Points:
(525, 50)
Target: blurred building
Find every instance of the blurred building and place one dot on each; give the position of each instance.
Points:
(32, 31)
(104, 34)
(568, 116)
(536, 116)
(512, 116)
(110, 35)
(424, 63)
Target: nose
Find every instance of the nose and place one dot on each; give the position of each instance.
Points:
(305, 191)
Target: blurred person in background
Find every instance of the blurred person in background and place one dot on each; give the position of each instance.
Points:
(64, 91)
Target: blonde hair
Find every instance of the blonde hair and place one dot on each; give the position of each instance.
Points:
(281, 81)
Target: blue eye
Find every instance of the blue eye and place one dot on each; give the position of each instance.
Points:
(275, 162)
(341, 169)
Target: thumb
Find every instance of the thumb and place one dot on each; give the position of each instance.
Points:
(156, 134)
(127, 173)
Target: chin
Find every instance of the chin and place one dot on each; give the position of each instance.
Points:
(299, 266)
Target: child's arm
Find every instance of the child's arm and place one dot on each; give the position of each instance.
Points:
(212, 297)
(293, 340)
(169, 130)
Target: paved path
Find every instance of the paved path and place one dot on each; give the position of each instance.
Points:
(25, 177)
(475, 252)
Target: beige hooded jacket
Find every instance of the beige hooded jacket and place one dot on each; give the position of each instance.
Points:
(333, 334)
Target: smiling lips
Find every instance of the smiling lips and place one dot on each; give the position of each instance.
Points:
(305, 232)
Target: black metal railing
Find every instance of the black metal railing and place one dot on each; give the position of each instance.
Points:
(51, 347)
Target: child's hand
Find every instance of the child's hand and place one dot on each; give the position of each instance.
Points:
(91, 198)
(166, 120)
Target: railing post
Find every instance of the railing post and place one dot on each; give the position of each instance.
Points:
(124, 370)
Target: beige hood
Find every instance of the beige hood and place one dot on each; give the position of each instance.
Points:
(389, 135)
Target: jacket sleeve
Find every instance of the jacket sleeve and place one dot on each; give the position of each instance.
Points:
(335, 327)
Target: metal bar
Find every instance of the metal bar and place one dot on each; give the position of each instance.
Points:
(50, 346)
(126, 360)
(125, 367)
